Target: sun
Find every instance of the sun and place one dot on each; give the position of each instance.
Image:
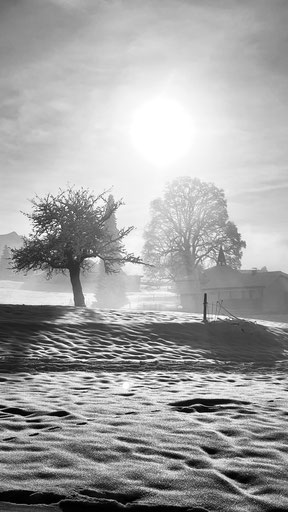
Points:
(162, 131)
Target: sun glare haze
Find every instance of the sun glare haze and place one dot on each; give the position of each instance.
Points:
(143, 255)
(162, 131)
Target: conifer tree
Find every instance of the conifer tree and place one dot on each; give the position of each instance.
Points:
(5, 268)
(111, 287)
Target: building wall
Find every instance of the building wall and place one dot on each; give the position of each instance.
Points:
(191, 295)
(192, 303)
(239, 301)
(276, 296)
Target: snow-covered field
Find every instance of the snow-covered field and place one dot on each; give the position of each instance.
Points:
(11, 293)
(123, 410)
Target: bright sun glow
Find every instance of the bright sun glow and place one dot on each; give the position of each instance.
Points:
(161, 130)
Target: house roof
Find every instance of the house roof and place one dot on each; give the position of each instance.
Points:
(221, 276)
(227, 277)
(262, 278)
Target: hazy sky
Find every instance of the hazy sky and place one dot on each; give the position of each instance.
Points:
(73, 73)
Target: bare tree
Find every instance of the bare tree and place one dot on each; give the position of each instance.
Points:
(69, 229)
(188, 227)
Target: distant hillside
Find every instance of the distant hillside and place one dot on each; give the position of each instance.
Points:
(12, 240)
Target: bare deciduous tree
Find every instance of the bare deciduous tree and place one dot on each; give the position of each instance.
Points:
(188, 227)
(68, 229)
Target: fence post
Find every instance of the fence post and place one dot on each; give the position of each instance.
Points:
(205, 308)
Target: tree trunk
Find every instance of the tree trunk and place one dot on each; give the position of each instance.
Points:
(79, 300)
(189, 261)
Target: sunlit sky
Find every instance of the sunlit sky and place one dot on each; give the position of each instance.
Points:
(74, 72)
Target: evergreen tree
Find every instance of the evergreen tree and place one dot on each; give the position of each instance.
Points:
(5, 269)
(111, 287)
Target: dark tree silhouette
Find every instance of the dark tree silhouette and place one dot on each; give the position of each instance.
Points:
(69, 229)
(188, 227)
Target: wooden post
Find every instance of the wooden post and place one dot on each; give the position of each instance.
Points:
(205, 308)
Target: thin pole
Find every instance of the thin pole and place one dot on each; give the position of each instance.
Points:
(205, 308)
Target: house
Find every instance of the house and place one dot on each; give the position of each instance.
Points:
(242, 293)
(245, 293)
